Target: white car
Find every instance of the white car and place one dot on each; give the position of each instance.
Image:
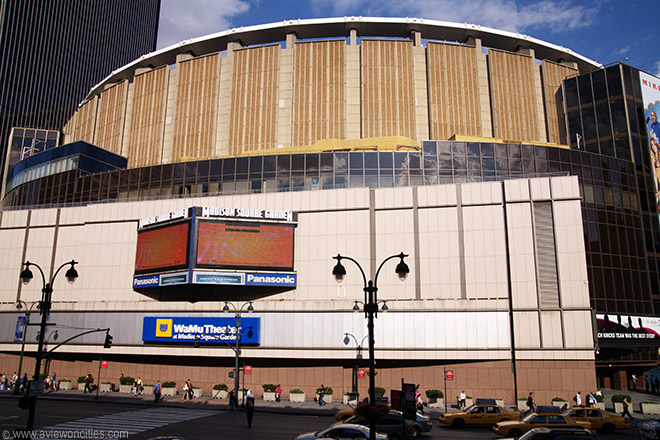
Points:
(649, 430)
(341, 431)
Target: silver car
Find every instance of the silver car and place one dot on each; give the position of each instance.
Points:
(649, 430)
(341, 431)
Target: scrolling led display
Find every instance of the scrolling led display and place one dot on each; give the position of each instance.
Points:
(162, 248)
(245, 245)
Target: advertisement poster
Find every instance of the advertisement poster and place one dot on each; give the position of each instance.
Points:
(627, 330)
(651, 98)
(207, 330)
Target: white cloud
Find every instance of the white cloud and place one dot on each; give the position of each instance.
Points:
(622, 51)
(656, 69)
(182, 19)
(512, 15)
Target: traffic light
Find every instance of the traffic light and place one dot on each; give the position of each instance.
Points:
(231, 374)
(108, 341)
(196, 343)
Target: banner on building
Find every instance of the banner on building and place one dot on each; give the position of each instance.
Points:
(628, 330)
(651, 98)
(206, 330)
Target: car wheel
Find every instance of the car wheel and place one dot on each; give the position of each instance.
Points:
(458, 423)
(515, 432)
(394, 437)
(418, 431)
(608, 428)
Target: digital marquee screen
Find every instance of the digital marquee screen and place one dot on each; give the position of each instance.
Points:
(162, 248)
(245, 245)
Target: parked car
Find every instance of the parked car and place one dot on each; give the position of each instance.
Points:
(479, 414)
(341, 430)
(422, 422)
(600, 420)
(390, 424)
(537, 420)
(556, 434)
(649, 430)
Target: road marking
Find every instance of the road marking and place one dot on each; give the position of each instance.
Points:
(130, 422)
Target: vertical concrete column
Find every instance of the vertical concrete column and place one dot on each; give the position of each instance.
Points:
(538, 95)
(129, 116)
(224, 101)
(285, 93)
(422, 122)
(619, 380)
(486, 120)
(352, 89)
(170, 108)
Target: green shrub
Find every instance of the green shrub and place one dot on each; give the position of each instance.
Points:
(269, 387)
(126, 380)
(619, 398)
(108, 383)
(599, 397)
(296, 391)
(522, 399)
(435, 393)
(220, 386)
(42, 376)
(169, 384)
(65, 380)
(558, 399)
(468, 397)
(81, 379)
(379, 391)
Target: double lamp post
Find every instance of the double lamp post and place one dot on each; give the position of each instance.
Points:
(370, 308)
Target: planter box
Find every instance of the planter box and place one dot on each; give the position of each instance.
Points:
(220, 394)
(126, 389)
(240, 396)
(649, 408)
(168, 391)
(299, 398)
(350, 399)
(105, 388)
(469, 401)
(81, 386)
(148, 390)
(600, 405)
(618, 407)
(65, 385)
(197, 392)
(269, 396)
(327, 398)
(438, 403)
(559, 403)
(522, 405)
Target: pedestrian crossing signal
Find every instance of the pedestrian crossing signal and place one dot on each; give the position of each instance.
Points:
(108, 341)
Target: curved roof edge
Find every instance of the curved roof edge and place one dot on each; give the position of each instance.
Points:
(340, 27)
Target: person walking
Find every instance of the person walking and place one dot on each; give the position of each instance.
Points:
(88, 383)
(278, 393)
(321, 393)
(578, 398)
(232, 401)
(626, 409)
(633, 379)
(461, 400)
(249, 411)
(647, 382)
(530, 403)
(191, 390)
(157, 392)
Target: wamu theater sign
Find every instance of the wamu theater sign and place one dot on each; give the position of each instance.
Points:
(208, 330)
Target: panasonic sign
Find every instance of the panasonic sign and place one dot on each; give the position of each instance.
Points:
(150, 281)
(260, 279)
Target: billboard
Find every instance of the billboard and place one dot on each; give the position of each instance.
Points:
(161, 248)
(651, 98)
(244, 245)
(625, 329)
(209, 330)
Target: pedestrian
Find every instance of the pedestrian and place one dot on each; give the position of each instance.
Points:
(14, 380)
(278, 393)
(420, 404)
(647, 382)
(248, 394)
(461, 400)
(24, 382)
(656, 384)
(135, 387)
(157, 392)
(530, 403)
(578, 398)
(140, 386)
(591, 400)
(232, 401)
(633, 378)
(626, 409)
(88, 383)
(321, 393)
(185, 390)
(191, 390)
(249, 411)
(53, 382)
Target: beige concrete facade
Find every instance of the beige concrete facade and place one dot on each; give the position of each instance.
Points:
(468, 283)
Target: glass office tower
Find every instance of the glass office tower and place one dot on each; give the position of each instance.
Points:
(53, 52)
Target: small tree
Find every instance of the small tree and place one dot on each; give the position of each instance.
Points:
(435, 394)
(220, 387)
(269, 387)
(126, 380)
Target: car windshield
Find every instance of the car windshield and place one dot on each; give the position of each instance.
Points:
(529, 417)
(471, 408)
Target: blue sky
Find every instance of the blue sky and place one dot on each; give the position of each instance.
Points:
(605, 31)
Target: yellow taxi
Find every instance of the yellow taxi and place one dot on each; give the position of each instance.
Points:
(545, 416)
(600, 420)
(344, 414)
(483, 412)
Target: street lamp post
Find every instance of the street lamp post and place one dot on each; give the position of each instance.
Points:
(44, 309)
(237, 326)
(19, 305)
(370, 307)
(358, 357)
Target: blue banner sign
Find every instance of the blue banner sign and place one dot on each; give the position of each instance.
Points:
(270, 279)
(19, 334)
(209, 330)
(148, 281)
